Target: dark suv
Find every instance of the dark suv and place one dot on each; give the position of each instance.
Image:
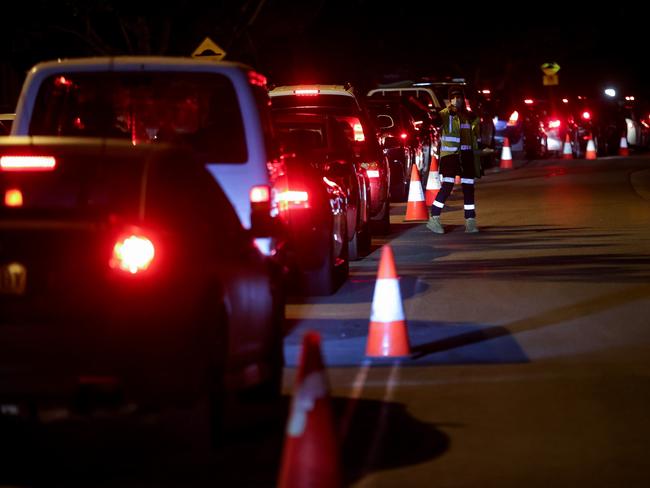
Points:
(340, 101)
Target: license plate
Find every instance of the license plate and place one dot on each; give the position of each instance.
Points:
(13, 279)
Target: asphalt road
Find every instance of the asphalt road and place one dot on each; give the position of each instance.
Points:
(529, 362)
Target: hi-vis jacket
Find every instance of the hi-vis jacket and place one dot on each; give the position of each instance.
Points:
(460, 132)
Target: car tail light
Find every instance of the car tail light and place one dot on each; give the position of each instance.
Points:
(359, 136)
(260, 194)
(514, 117)
(132, 254)
(528, 101)
(372, 173)
(27, 163)
(306, 91)
(553, 124)
(14, 198)
(293, 199)
(403, 135)
(586, 115)
(256, 79)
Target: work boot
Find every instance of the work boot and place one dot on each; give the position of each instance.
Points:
(470, 226)
(434, 225)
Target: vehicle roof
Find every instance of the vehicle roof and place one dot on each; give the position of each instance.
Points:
(101, 63)
(323, 90)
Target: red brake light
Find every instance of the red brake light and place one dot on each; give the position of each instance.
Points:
(62, 81)
(14, 198)
(372, 173)
(528, 101)
(403, 135)
(306, 91)
(132, 254)
(260, 194)
(586, 115)
(27, 163)
(293, 199)
(256, 78)
(358, 132)
(553, 124)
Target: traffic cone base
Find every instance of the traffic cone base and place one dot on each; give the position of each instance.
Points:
(310, 456)
(623, 149)
(388, 339)
(506, 155)
(591, 149)
(416, 208)
(387, 334)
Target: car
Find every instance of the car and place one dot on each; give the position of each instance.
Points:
(129, 281)
(341, 101)
(320, 141)
(401, 141)
(218, 108)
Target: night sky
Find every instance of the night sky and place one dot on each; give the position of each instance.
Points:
(362, 41)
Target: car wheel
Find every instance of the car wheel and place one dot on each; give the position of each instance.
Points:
(323, 280)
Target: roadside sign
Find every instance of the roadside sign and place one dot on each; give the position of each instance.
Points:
(208, 49)
(550, 69)
(550, 80)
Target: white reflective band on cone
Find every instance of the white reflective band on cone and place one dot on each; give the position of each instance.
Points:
(415, 192)
(467, 181)
(448, 179)
(312, 388)
(387, 301)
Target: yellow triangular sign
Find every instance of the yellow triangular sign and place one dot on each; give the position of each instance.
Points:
(208, 49)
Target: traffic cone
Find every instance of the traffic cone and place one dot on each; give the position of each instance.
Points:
(310, 456)
(416, 208)
(591, 149)
(506, 155)
(387, 336)
(567, 152)
(623, 150)
(433, 182)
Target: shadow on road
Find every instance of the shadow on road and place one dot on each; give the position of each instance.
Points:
(382, 435)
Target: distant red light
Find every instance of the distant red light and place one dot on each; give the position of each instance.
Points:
(528, 101)
(586, 115)
(403, 135)
(62, 81)
(554, 123)
(14, 198)
(306, 91)
(260, 194)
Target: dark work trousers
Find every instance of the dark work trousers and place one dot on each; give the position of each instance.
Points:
(456, 164)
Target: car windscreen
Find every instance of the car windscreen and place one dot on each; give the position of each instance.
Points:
(199, 109)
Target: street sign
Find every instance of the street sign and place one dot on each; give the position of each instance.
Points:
(550, 80)
(208, 49)
(550, 69)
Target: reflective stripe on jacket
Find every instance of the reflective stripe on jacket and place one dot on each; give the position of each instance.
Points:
(459, 132)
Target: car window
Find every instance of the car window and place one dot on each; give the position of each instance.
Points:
(200, 109)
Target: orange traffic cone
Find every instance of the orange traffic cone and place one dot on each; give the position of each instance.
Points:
(416, 208)
(433, 182)
(506, 155)
(387, 336)
(310, 456)
(623, 150)
(567, 152)
(591, 149)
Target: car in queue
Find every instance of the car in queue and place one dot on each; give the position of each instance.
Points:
(128, 280)
(340, 101)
